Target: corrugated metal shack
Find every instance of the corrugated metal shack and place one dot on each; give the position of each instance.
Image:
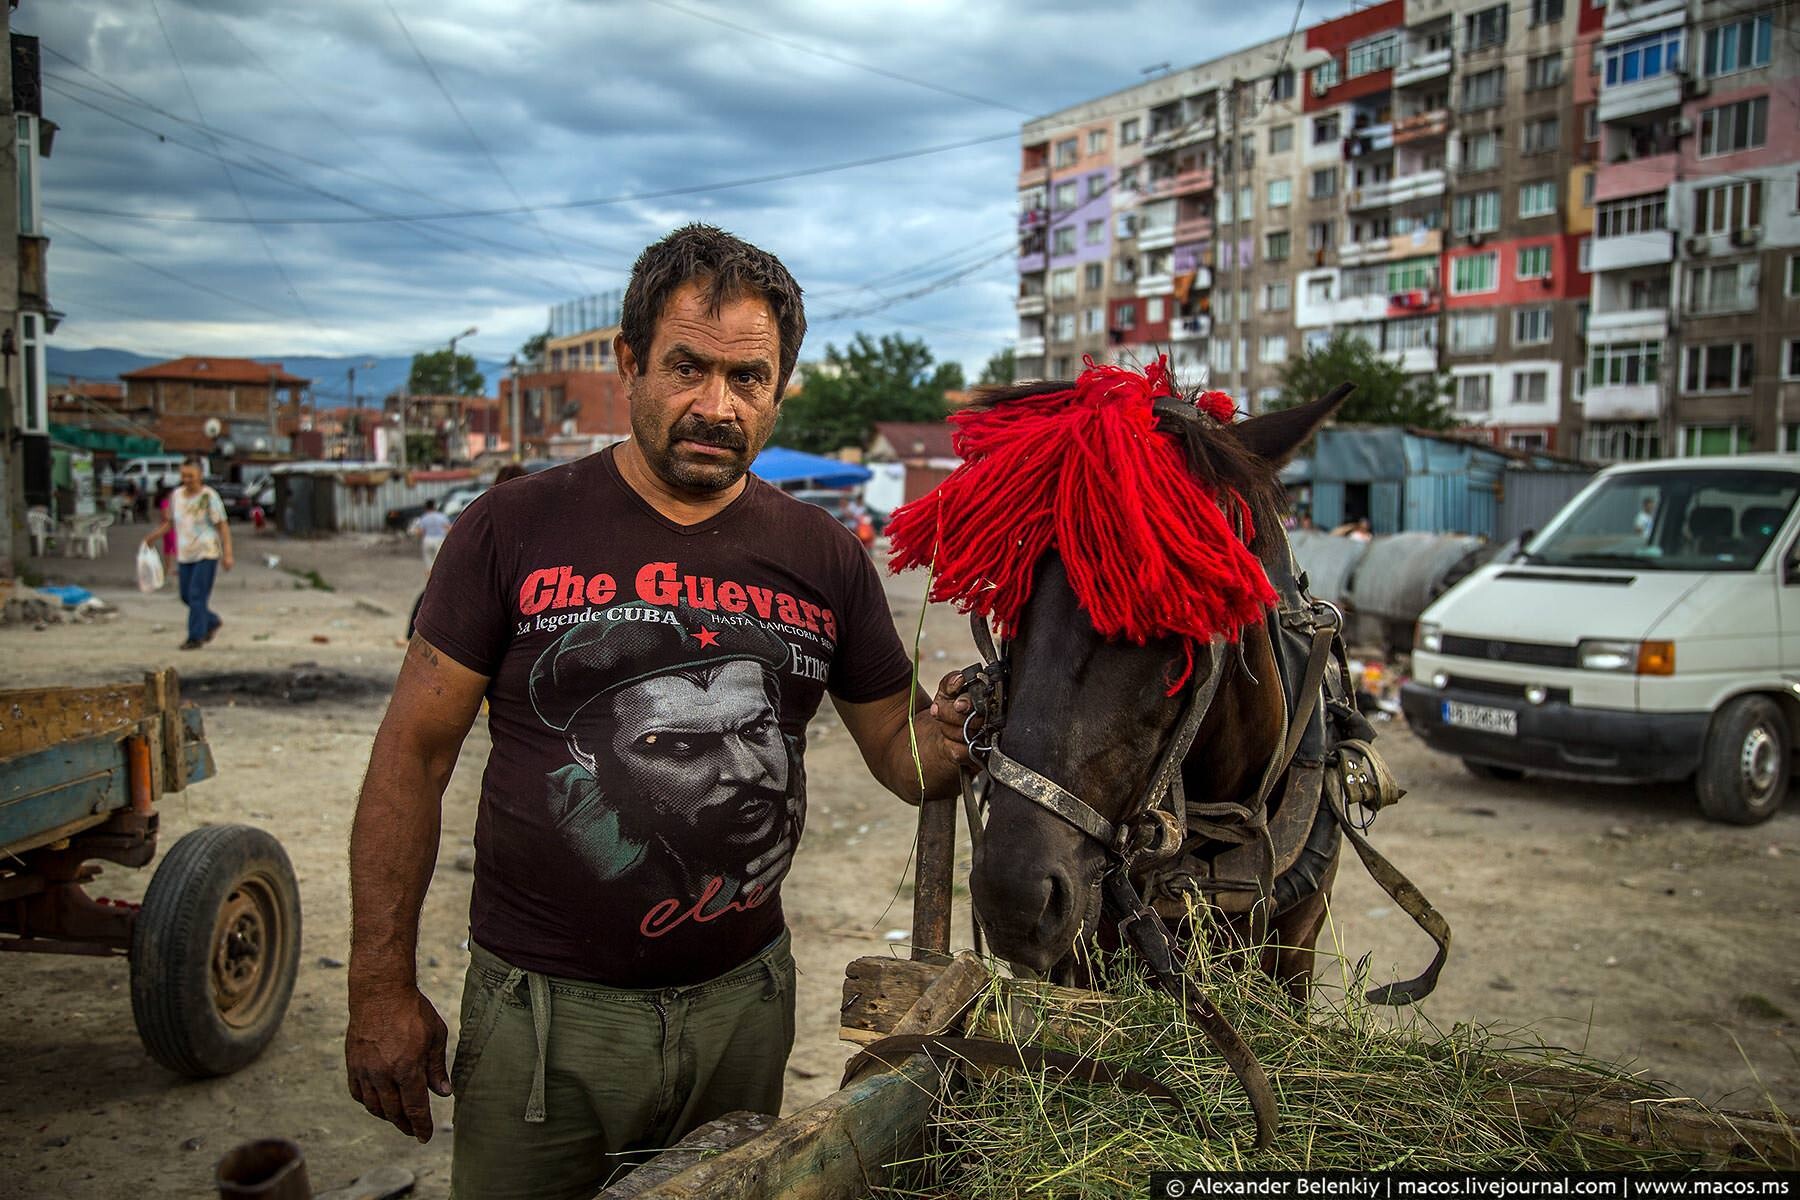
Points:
(337, 497)
(1416, 480)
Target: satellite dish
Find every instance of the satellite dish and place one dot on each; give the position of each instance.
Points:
(228, 449)
(449, 424)
(568, 428)
(260, 444)
(213, 427)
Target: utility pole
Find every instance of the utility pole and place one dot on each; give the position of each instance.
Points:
(518, 445)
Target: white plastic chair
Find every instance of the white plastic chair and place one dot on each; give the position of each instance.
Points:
(95, 534)
(41, 527)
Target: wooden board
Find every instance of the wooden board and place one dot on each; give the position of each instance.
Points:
(878, 991)
(38, 718)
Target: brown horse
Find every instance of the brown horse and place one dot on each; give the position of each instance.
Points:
(1094, 716)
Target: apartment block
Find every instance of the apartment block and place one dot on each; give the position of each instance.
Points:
(1582, 219)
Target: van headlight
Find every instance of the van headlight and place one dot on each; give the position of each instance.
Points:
(1429, 635)
(1633, 658)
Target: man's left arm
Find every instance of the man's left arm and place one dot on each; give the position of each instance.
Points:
(224, 524)
(888, 730)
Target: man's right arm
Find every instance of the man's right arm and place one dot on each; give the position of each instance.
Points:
(394, 1047)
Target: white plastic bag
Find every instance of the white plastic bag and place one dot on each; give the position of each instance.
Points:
(150, 569)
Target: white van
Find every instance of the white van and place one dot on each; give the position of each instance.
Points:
(153, 471)
(1650, 632)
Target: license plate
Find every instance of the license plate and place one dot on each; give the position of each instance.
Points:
(1503, 721)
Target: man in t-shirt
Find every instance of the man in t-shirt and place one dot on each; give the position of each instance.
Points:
(202, 546)
(430, 529)
(652, 628)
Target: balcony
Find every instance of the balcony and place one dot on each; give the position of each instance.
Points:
(1194, 229)
(1422, 127)
(1628, 325)
(1419, 360)
(1203, 276)
(1181, 184)
(1635, 177)
(34, 287)
(1622, 402)
(1422, 67)
(1174, 137)
(1644, 96)
(1628, 20)
(1632, 250)
(1421, 185)
(1185, 329)
(1155, 237)
(1031, 261)
(1030, 304)
(1029, 347)
(1160, 284)
(1400, 245)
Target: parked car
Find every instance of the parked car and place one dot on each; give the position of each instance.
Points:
(1650, 632)
(460, 499)
(153, 471)
(237, 498)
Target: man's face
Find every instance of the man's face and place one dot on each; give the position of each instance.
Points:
(191, 479)
(704, 404)
(710, 755)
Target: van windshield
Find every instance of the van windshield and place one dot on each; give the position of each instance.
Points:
(1700, 520)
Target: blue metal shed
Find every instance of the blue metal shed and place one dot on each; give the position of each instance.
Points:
(1405, 479)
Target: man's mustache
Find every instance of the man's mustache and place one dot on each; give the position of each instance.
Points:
(726, 436)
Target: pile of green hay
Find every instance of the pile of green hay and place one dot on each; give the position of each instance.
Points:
(1359, 1089)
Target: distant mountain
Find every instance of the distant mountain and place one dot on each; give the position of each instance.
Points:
(329, 375)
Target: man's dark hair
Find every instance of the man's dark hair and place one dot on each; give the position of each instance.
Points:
(431, 506)
(729, 268)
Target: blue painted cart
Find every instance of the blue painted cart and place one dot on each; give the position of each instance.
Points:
(214, 947)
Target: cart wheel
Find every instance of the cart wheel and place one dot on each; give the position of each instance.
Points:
(215, 950)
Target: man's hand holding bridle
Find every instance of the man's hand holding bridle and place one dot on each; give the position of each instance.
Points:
(951, 710)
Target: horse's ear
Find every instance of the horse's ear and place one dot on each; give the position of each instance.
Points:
(1275, 436)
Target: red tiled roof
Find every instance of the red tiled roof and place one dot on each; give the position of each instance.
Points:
(917, 439)
(217, 370)
(91, 389)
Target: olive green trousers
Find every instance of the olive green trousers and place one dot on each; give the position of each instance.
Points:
(562, 1086)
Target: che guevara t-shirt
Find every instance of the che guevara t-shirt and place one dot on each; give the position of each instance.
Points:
(651, 686)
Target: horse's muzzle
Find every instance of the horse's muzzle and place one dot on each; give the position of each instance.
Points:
(1032, 910)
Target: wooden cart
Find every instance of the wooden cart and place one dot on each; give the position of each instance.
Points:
(214, 947)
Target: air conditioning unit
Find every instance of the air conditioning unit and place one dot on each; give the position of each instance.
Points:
(1697, 246)
(1681, 126)
(1697, 88)
(1747, 236)
(1477, 238)
(1320, 85)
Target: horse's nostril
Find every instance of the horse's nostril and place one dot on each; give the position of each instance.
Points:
(1061, 901)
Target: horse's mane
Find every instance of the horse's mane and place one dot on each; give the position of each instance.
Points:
(1214, 457)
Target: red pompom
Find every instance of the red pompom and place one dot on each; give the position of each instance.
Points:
(1217, 405)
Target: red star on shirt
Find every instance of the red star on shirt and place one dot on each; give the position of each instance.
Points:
(706, 637)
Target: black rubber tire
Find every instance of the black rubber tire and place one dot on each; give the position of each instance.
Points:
(1481, 770)
(215, 950)
(1744, 765)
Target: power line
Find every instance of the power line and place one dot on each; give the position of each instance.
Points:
(842, 58)
(164, 272)
(481, 145)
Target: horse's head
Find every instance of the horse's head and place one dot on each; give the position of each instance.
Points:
(1093, 712)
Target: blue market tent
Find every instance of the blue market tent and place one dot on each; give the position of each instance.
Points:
(796, 469)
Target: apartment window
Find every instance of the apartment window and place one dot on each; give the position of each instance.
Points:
(1531, 387)
(1722, 288)
(1737, 45)
(33, 407)
(1624, 364)
(1131, 131)
(1485, 28)
(1276, 245)
(1525, 441)
(1543, 12)
(1533, 263)
(1066, 152)
(1541, 136)
(1277, 297)
(1484, 89)
(1793, 276)
(1062, 282)
(1537, 199)
(1324, 183)
(1481, 151)
(1096, 186)
(1246, 202)
(1590, 123)
(1412, 275)
(1128, 179)
(1281, 192)
(1325, 76)
(1587, 188)
(1096, 141)
(1474, 273)
(1698, 441)
(1282, 86)
(1724, 367)
(1272, 348)
(1154, 310)
(1325, 129)
(1733, 127)
(1633, 214)
(1094, 233)
(1065, 195)
(1790, 359)
(1532, 326)
(1065, 327)
(25, 155)
(1125, 316)
(1584, 255)
(1281, 139)
(1063, 241)
(1060, 367)
(1093, 320)
(1474, 393)
(1643, 58)
(1376, 54)
(1093, 276)
(1410, 333)
(1476, 212)
(1319, 235)
(1225, 208)
(1319, 289)
(1473, 332)
(1728, 207)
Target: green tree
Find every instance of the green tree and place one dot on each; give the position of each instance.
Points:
(1001, 368)
(867, 381)
(532, 352)
(1385, 395)
(433, 374)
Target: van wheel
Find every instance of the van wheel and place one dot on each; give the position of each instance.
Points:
(1743, 776)
(1481, 770)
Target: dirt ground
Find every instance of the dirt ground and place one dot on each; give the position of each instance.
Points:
(1613, 920)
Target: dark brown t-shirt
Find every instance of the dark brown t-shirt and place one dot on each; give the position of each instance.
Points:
(651, 686)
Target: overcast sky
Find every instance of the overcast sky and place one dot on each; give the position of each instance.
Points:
(325, 111)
